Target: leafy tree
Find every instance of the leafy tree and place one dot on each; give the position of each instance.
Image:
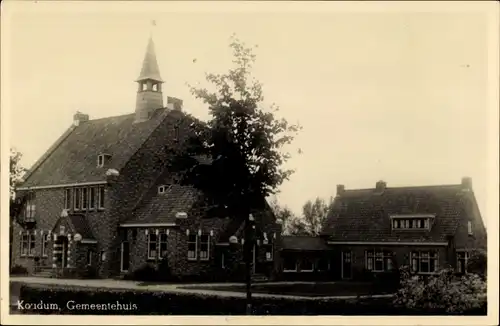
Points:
(315, 213)
(16, 170)
(282, 213)
(15, 174)
(244, 143)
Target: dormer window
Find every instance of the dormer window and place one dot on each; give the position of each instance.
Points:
(101, 159)
(416, 222)
(162, 189)
(469, 227)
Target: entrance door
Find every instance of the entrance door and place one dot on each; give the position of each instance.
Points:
(125, 256)
(346, 264)
(64, 252)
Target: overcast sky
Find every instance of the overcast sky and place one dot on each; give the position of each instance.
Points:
(400, 97)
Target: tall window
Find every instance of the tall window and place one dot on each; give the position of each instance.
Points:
(205, 247)
(45, 244)
(163, 245)
(378, 260)
(92, 198)
(77, 200)
(192, 246)
(85, 198)
(269, 251)
(30, 206)
(462, 260)
(27, 244)
(67, 198)
(90, 257)
(469, 227)
(101, 197)
(151, 246)
(424, 261)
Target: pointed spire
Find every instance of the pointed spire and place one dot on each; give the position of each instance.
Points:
(150, 69)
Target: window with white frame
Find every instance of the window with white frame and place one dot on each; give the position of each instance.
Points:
(100, 160)
(67, 198)
(92, 197)
(378, 260)
(161, 189)
(306, 265)
(163, 245)
(462, 260)
(269, 251)
(27, 244)
(424, 261)
(77, 200)
(205, 247)
(410, 223)
(90, 257)
(101, 197)
(84, 198)
(152, 246)
(192, 246)
(469, 227)
(289, 264)
(30, 206)
(45, 244)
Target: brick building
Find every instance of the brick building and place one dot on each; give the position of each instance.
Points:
(101, 196)
(375, 230)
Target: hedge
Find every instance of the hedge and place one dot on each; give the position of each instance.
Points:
(171, 303)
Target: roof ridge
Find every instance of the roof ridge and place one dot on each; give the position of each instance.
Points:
(48, 152)
(407, 187)
(111, 117)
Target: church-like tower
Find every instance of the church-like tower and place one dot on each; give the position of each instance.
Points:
(149, 92)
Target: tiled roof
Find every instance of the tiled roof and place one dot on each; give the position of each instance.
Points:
(76, 223)
(364, 214)
(74, 160)
(303, 243)
(81, 226)
(161, 208)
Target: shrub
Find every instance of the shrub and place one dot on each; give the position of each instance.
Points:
(477, 263)
(90, 272)
(144, 273)
(164, 303)
(18, 270)
(443, 292)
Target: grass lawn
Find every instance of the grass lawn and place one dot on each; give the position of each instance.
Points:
(305, 289)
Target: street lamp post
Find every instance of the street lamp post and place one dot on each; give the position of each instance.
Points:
(248, 249)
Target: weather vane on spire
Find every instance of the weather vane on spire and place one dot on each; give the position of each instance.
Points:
(153, 24)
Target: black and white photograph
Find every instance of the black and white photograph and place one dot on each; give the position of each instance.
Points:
(250, 159)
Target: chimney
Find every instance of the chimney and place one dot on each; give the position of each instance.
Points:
(79, 117)
(467, 183)
(380, 186)
(340, 190)
(174, 103)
